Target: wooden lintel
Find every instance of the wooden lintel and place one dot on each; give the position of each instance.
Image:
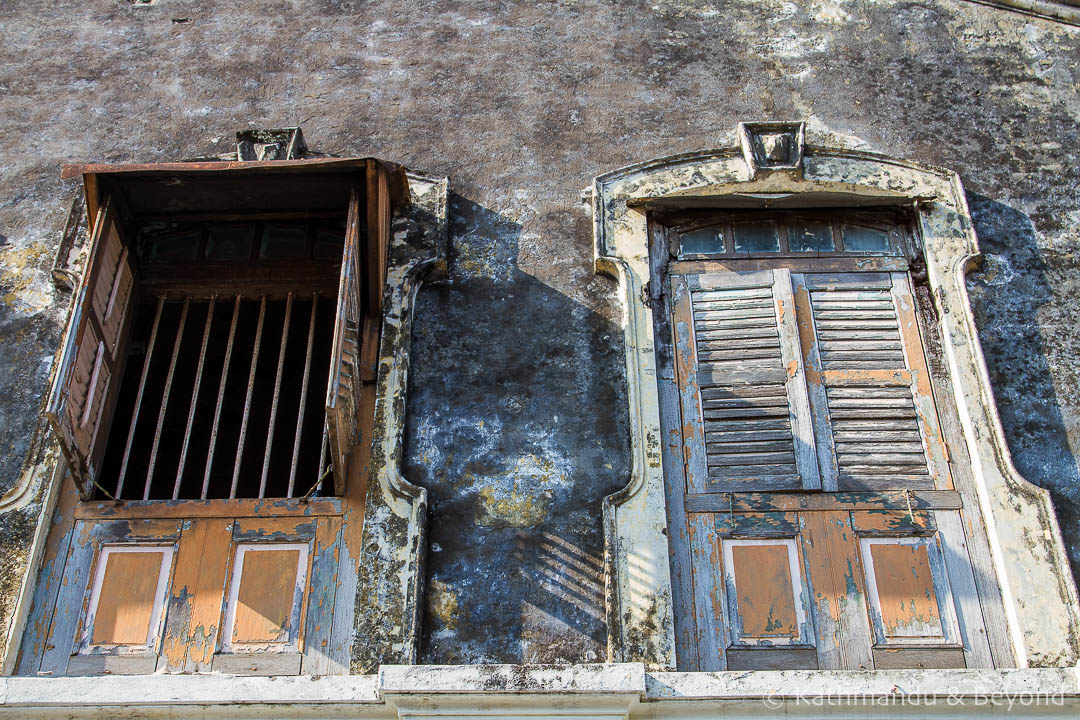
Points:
(795, 502)
(266, 508)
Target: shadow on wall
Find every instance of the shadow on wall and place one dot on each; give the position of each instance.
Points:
(1016, 310)
(517, 429)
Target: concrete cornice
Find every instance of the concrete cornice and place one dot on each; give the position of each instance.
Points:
(603, 690)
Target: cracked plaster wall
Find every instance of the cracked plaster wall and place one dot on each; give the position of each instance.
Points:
(516, 418)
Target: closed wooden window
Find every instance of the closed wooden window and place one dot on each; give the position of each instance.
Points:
(810, 467)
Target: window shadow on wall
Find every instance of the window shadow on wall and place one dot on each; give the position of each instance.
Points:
(517, 427)
(1017, 311)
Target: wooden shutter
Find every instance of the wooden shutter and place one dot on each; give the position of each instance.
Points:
(746, 416)
(869, 385)
(343, 393)
(83, 393)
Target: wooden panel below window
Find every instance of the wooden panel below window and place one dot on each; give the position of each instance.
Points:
(127, 597)
(766, 600)
(265, 597)
(903, 592)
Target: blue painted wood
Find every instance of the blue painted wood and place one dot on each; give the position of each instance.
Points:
(322, 598)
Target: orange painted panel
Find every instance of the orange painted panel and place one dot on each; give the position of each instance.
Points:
(126, 603)
(909, 606)
(265, 599)
(765, 596)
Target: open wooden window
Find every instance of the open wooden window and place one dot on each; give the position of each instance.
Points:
(814, 473)
(213, 303)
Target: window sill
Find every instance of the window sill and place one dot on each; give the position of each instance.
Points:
(267, 507)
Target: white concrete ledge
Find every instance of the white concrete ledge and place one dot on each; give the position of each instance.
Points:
(597, 679)
(164, 690)
(609, 692)
(793, 684)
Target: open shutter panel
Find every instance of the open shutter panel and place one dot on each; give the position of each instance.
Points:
(746, 415)
(343, 393)
(869, 383)
(83, 393)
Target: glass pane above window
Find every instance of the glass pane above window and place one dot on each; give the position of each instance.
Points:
(865, 239)
(284, 242)
(810, 236)
(329, 244)
(176, 248)
(756, 237)
(707, 240)
(229, 242)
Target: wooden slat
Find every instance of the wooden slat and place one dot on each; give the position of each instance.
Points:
(689, 376)
(772, 524)
(198, 591)
(63, 626)
(743, 459)
(925, 409)
(802, 425)
(837, 591)
(708, 593)
(969, 611)
(750, 447)
(919, 658)
(892, 522)
(826, 281)
(267, 664)
(777, 658)
(322, 591)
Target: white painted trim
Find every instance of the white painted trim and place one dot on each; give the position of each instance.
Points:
(299, 583)
(157, 614)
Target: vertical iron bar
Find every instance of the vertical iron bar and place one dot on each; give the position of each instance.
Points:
(277, 394)
(303, 395)
(165, 398)
(220, 397)
(322, 455)
(247, 400)
(194, 397)
(139, 395)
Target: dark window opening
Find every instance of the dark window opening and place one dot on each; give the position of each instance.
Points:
(205, 426)
(214, 299)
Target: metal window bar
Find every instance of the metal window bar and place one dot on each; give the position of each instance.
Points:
(303, 396)
(220, 397)
(139, 394)
(165, 398)
(247, 400)
(277, 395)
(194, 397)
(322, 455)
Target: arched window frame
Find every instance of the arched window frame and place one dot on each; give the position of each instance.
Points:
(1043, 626)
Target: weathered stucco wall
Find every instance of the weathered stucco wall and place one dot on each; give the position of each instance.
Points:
(516, 418)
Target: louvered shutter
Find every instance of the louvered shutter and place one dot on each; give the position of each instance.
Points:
(343, 392)
(869, 383)
(83, 393)
(746, 416)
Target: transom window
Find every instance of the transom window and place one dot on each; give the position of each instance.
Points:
(753, 233)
